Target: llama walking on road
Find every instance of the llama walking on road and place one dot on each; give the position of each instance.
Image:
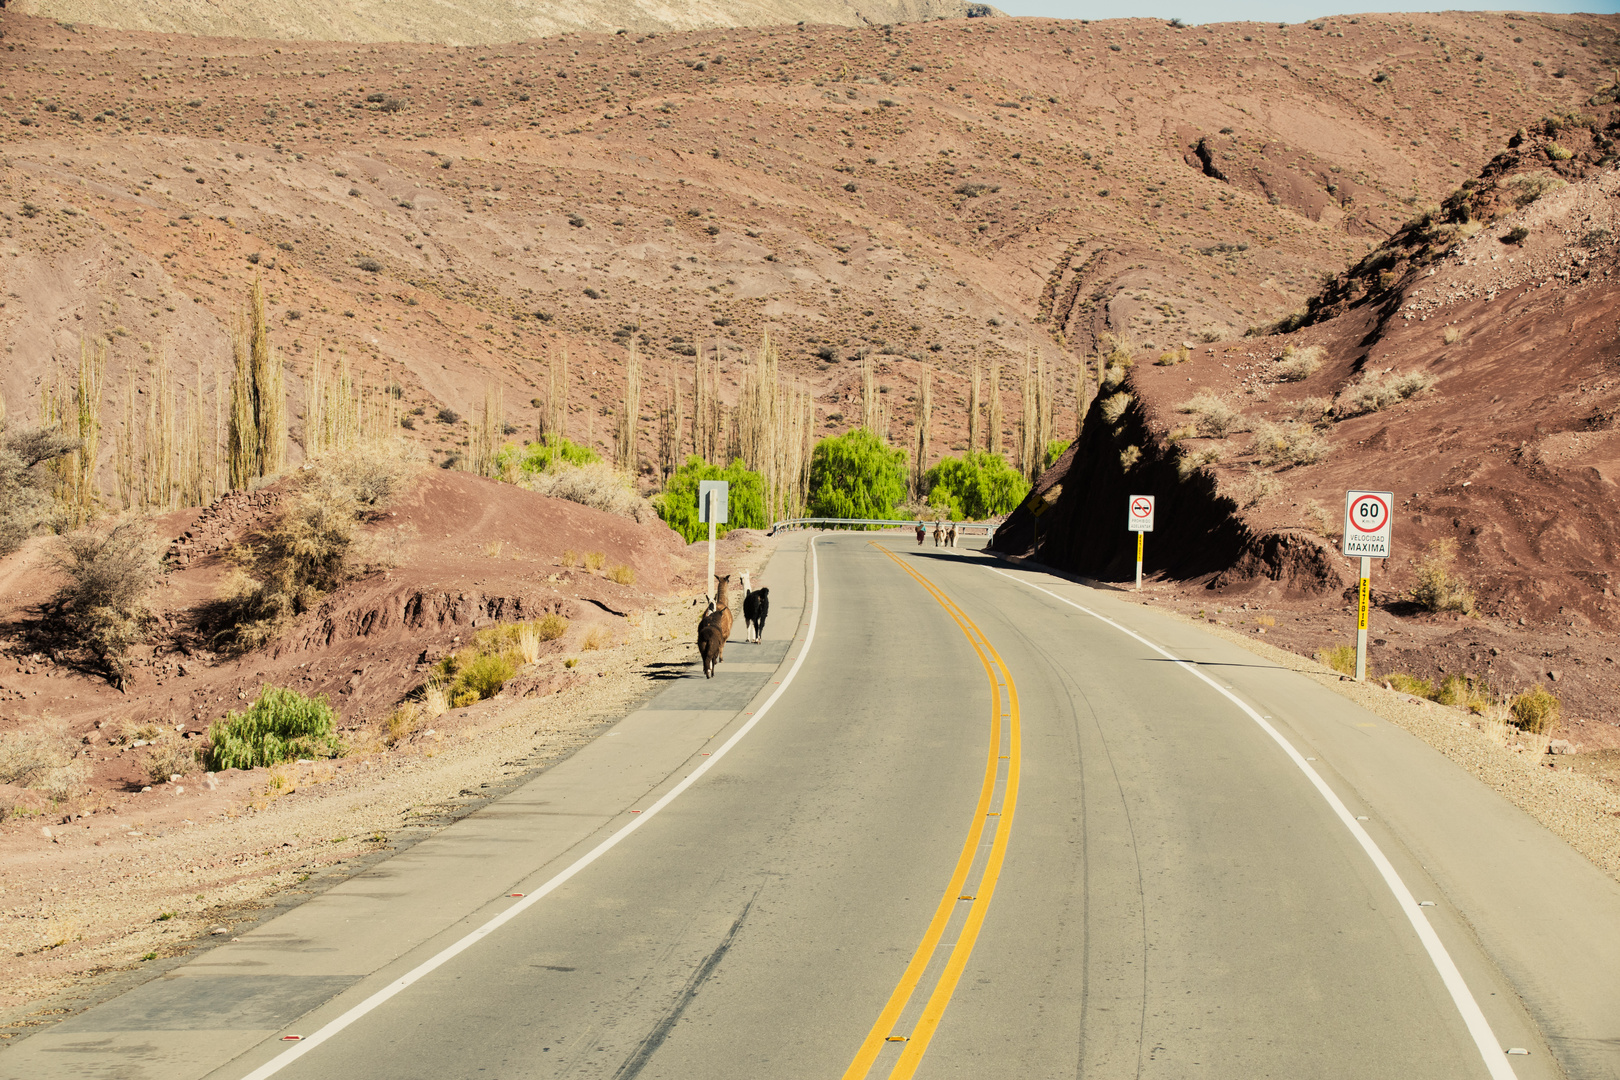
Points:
(756, 605)
(715, 627)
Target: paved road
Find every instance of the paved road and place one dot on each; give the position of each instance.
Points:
(949, 819)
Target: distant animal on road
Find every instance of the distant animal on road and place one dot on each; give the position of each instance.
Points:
(715, 627)
(756, 605)
(939, 534)
(950, 535)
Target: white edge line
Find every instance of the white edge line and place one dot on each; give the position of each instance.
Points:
(333, 1027)
(1484, 1038)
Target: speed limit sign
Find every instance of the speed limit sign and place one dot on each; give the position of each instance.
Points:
(1367, 519)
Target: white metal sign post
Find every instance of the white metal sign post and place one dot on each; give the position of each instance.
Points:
(1139, 520)
(1367, 525)
(712, 509)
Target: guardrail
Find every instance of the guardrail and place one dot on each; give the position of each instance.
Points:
(963, 528)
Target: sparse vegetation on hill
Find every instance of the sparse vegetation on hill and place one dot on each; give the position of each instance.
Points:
(101, 604)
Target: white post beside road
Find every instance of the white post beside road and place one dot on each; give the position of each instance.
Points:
(1139, 520)
(708, 588)
(1361, 619)
(1368, 520)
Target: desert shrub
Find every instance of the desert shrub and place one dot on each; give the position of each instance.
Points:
(1410, 684)
(1113, 407)
(483, 676)
(569, 557)
(47, 763)
(1320, 521)
(403, 721)
(594, 560)
(1212, 414)
(1211, 334)
(1516, 235)
(282, 725)
(1129, 456)
(310, 549)
(1255, 489)
(25, 499)
(1460, 692)
(102, 601)
(1312, 409)
(622, 574)
(1535, 710)
(975, 486)
(854, 475)
(1438, 587)
(1190, 460)
(597, 485)
(447, 415)
(550, 626)
(1298, 365)
(1375, 391)
(370, 266)
(1451, 335)
(1288, 444)
(1341, 658)
(595, 638)
(1526, 188)
(553, 453)
(167, 759)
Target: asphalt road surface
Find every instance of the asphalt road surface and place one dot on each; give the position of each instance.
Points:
(950, 819)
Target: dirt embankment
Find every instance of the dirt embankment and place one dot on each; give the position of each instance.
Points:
(1472, 367)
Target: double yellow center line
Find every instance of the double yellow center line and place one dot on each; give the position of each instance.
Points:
(915, 1043)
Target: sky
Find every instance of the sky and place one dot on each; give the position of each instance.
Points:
(1289, 11)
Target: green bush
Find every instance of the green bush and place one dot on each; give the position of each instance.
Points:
(540, 457)
(975, 486)
(854, 475)
(1054, 450)
(1461, 693)
(745, 498)
(1535, 710)
(281, 726)
(484, 675)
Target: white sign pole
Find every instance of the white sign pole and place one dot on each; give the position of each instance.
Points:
(1139, 520)
(1368, 522)
(709, 588)
(1361, 619)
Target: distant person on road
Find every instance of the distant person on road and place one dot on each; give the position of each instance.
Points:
(922, 532)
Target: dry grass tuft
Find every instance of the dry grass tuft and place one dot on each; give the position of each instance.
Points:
(1438, 587)
(1288, 444)
(597, 485)
(1297, 365)
(46, 763)
(594, 560)
(622, 573)
(595, 638)
(1535, 710)
(168, 759)
(1212, 414)
(1341, 658)
(1373, 392)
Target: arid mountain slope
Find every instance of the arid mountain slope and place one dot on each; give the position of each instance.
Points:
(925, 193)
(474, 22)
(1500, 308)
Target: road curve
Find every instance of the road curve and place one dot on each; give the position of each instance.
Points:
(977, 831)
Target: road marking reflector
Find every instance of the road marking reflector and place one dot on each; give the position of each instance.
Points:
(300, 1038)
(964, 898)
(1518, 1050)
(514, 894)
(1425, 903)
(902, 1038)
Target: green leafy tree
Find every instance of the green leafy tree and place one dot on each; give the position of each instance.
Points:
(975, 486)
(1054, 450)
(854, 475)
(745, 498)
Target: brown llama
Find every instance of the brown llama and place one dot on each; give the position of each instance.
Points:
(715, 627)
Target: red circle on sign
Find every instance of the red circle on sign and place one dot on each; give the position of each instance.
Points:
(1383, 509)
(1141, 508)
